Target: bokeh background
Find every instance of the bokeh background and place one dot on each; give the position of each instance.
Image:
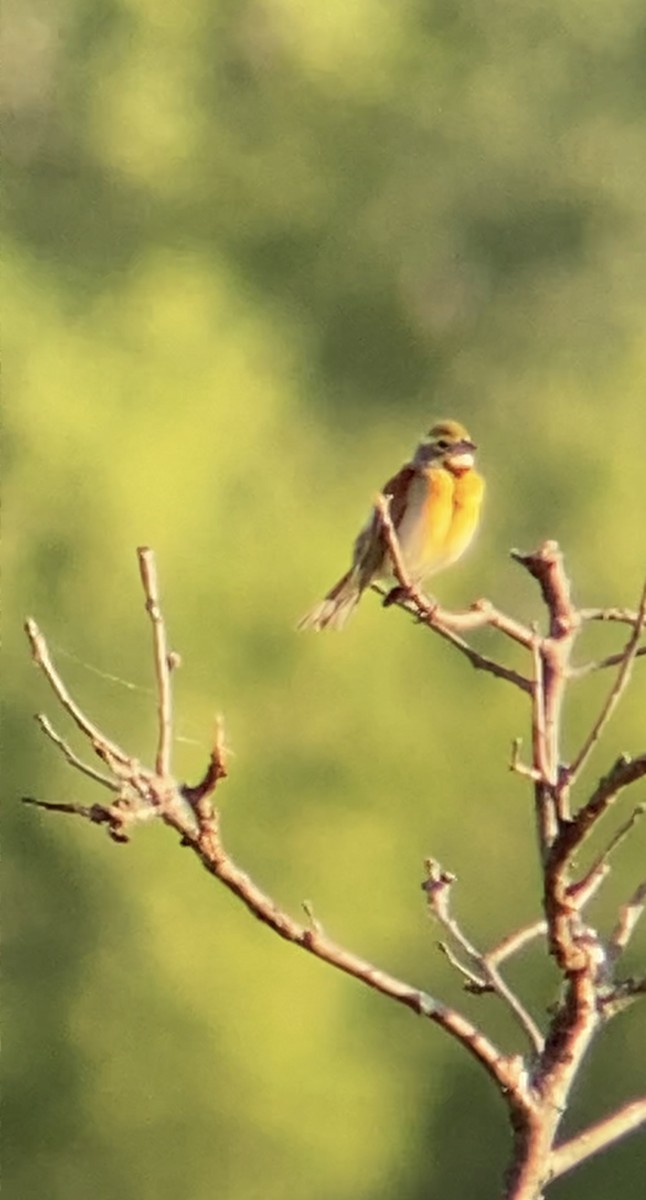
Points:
(253, 249)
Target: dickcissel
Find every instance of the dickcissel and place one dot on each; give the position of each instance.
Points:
(435, 501)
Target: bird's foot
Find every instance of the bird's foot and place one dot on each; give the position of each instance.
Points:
(395, 596)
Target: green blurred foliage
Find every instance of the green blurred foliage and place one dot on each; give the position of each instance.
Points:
(253, 249)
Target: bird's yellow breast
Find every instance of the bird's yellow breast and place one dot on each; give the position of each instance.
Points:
(440, 520)
(467, 499)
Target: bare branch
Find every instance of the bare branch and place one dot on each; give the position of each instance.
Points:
(539, 744)
(544, 765)
(624, 772)
(162, 658)
(581, 893)
(199, 796)
(72, 758)
(621, 996)
(515, 941)
(626, 616)
(111, 815)
(535, 1089)
(629, 915)
(475, 983)
(208, 847)
(518, 766)
(42, 658)
(597, 1137)
(545, 565)
(626, 659)
(599, 869)
(147, 794)
(435, 618)
(612, 660)
(438, 886)
(308, 909)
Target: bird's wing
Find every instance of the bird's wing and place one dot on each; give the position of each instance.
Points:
(397, 488)
(369, 548)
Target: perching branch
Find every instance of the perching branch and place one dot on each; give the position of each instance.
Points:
(446, 624)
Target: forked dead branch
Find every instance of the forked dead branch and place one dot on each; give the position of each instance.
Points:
(534, 1086)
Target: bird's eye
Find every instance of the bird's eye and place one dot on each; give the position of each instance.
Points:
(443, 444)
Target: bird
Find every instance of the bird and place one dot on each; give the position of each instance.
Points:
(435, 500)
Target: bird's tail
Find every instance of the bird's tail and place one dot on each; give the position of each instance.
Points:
(337, 607)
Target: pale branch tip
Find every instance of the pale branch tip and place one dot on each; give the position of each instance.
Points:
(43, 659)
(518, 767)
(163, 659)
(474, 983)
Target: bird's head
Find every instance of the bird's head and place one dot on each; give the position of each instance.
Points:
(448, 445)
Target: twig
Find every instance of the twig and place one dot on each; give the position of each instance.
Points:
(600, 867)
(581, 893)
(624, 772)
(199, 796)
(597, 1137)
(626, 659)
(545, 565)
(42, 658)
(629, 915)
(214, 858)
(437, 886)
(112, 815)
(313, 922)
(626, 616)
(518, 766)
(623, 995)
(72, 758)
(475, 983)
(542, 766)
(612, 660)
(515, 941)
(148, 572)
